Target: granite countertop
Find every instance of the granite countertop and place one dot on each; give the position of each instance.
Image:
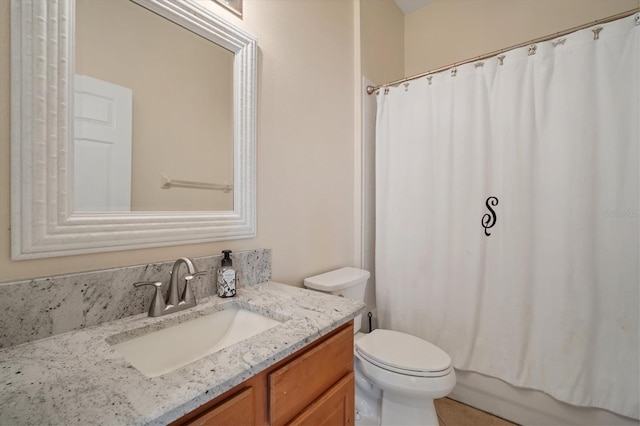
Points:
(78, 378)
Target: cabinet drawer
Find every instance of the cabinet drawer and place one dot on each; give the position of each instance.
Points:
(335, 407)
(238, 410)
(303, 380)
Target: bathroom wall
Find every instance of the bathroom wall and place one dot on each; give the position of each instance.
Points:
(382, 40)
(447, 31)
(382, 60)
(305, 146)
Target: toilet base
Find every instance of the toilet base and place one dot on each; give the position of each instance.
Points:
(367, 421)
(399, 409)
(396, 406)
(367, 401)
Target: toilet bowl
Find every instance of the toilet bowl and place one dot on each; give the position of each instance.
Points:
(409, 371)
(397, 375)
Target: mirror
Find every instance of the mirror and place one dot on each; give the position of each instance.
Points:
(135, 124)
(48, 98)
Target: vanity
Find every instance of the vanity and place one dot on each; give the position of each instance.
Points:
(298, 372)
(313, 386)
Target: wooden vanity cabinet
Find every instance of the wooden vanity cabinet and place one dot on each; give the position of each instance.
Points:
(236, 410)
(314, 386)
(335, 407)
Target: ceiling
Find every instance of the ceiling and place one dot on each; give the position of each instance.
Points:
(409, 6)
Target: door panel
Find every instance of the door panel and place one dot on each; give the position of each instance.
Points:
(102, 145)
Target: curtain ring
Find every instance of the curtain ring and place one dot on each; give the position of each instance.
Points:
(596, 33)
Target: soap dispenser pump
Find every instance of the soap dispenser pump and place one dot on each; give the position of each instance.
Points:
(226, 276)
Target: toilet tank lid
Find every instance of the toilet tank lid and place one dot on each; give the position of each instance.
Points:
(337, 280)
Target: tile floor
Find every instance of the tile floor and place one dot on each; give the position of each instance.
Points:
(453, 413)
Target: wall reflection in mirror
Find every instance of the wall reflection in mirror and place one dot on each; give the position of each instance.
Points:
(152, 100)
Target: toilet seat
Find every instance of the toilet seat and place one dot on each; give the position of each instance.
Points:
(403, 354)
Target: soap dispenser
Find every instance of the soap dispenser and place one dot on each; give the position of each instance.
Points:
(226, 276)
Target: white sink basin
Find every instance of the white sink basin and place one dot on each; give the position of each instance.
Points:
(165, 350)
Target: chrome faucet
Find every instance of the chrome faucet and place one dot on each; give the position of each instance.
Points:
(174, 303)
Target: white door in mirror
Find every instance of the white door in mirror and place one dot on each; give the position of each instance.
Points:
(102, 145)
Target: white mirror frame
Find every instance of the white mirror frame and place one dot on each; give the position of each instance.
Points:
(43, 223)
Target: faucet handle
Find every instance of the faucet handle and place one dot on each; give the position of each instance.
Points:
(157, 284)
(197, 274)
(158, 304)
(187, 293)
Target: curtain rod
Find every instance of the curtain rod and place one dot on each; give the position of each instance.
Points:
(372, 89)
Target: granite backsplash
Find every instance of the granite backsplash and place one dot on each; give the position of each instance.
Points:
(42, 307)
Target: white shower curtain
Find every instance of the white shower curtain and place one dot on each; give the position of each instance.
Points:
(542, 290)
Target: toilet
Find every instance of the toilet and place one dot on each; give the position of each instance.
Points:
(397, 375)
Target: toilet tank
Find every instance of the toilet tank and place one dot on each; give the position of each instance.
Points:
(346, 282)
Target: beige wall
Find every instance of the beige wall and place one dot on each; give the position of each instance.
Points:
(382, 60)
(382, 40)
(182, 100)
(305, 146)
(447, 31)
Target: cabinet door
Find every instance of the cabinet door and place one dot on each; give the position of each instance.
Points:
(300, 382)
(335, 407)
(237, 410)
